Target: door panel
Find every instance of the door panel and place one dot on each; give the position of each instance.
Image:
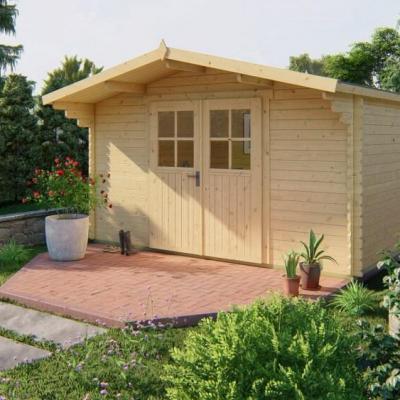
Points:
(175, 199)
(232, 179)
(218, 215)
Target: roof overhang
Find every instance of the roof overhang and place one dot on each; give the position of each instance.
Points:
(133, 76)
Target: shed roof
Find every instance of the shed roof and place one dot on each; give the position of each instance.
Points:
(133, 75)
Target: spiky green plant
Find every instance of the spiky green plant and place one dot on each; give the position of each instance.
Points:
(312, 254)
(13, 254)
(355, 299)
(291, 261)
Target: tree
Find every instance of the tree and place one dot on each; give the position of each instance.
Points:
(304, 63)
(59, 136)
(18, 128)
(375, 63)
(8, 54)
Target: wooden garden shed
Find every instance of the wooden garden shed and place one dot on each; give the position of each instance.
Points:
(231, 160)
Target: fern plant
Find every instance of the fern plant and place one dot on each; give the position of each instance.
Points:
(13, 254)
(291, 261)
(355, 299)
(312, 253)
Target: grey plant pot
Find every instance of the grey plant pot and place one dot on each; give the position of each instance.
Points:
(67, 236)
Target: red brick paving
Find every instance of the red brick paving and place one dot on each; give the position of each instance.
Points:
(112, 289)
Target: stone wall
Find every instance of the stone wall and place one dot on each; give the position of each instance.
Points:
(25, 228)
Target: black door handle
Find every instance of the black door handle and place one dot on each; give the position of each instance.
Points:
(196, 175)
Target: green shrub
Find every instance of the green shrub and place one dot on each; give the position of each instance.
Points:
(279, 349)
(13, 254)
(355, 299)
(379, 359)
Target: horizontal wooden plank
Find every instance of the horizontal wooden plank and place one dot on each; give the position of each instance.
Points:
(304, 227)
(311, 187)
(118, 118)
(299, 104)
(310, 156)
(319, 124)
(123, 99)
(120, 126)
(297, 94)
(308, 145)
(310, 176)
(381, 130)
(303, 114)
(308, 134)
(199, 79)
(315, 197)
(381, 120)
(309, 217)
(301, 165)
(371, 139)
(337, 241)
(303, 206)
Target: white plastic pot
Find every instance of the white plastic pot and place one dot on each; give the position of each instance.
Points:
(67, 236)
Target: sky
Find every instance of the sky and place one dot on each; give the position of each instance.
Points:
(109, 32)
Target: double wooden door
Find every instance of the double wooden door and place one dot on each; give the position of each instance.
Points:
(205, 178)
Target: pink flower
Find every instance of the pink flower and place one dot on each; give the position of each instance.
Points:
(60, 172)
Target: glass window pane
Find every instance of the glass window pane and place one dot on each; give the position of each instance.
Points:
(166, 124)
(241, 123)
(219, 123)
(219, 154)
(166, 153)
(241, 155)
(185, 153)
(185, 123)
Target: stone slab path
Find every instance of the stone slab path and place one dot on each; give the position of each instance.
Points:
(62, 331)
(13, 353)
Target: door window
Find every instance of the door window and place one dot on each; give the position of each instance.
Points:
(230, 139)
(176, 139)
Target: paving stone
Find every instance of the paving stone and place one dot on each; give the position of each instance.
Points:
(114, 289)
(43, 326)
(13, 353)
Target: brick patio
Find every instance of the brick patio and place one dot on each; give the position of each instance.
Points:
(113, 289)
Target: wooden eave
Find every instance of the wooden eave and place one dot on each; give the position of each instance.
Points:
(133, 76)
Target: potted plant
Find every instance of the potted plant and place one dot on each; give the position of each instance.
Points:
(291, 280)
(65, 188)
(310, 268)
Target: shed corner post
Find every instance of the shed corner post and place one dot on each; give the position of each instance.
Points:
(355, 188)
(92, 167)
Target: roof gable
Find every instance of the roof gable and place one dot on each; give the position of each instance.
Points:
(133, 75)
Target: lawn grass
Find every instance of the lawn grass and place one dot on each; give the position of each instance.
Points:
(18, 207)
(7, 270)
(128, 365)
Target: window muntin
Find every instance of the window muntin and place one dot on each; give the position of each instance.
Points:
(230, 139)
(176, 139)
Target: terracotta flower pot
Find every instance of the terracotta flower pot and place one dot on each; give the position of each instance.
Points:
(310, 274)
(291, 286)
(67, 236)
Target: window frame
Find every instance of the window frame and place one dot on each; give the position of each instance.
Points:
(175, 138)
(229, 138)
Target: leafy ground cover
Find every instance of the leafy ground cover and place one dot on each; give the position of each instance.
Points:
(118, 365)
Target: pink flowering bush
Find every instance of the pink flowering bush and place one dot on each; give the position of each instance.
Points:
(65, 187)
